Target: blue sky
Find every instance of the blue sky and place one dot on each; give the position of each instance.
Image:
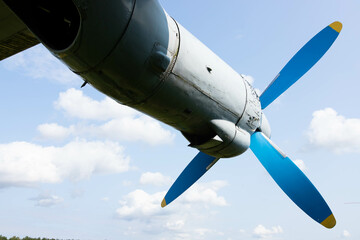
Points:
(74, 164)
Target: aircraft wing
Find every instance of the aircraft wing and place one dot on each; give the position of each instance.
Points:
(14, 35)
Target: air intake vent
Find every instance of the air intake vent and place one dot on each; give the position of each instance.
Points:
(55, 22)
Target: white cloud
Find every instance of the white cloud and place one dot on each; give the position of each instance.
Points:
(123, 123)
(300, 164)
(142, 129)
(346, 234)
(24, 164)
(332, 131)
(175, 225)
(205, 193)
(206, 233)
(202, 231)
(262, 232)
(140, 205)
(156, 179)
(38, 63)
(54, 131)
(47, 200)
(183, 219)
(75, 104)
(135, 129)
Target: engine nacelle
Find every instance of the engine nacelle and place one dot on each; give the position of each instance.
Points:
(121, 47)
(79, 33)
(134, 52)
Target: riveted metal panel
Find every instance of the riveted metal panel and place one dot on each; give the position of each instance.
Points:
(211, 76)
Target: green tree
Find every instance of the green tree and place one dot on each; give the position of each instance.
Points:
(14, 238)
(27, 238)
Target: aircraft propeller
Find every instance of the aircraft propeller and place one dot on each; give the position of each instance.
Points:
(285, 173)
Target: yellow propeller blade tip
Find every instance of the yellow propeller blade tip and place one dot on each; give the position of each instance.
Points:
(337, 26)
(163, 203)
(329, 222)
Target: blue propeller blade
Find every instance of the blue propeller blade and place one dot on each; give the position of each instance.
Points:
(303, 60)
(196, 168)
(291, 180)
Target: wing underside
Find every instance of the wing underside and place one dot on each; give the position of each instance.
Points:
(14, 35)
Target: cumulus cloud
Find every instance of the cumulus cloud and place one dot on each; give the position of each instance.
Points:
(332, 131)
(120, 123)
(25, 164)
(205, 193)
(156, 179)
(142, 205)
(142, 128)
(47, 200)
(183, 219)
(75, 104)
(180, 220)
(262, 232)
(54, 131)
(38, 63)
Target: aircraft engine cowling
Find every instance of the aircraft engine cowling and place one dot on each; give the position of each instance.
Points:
(81, 34)
(121, 47)
(135, 53)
